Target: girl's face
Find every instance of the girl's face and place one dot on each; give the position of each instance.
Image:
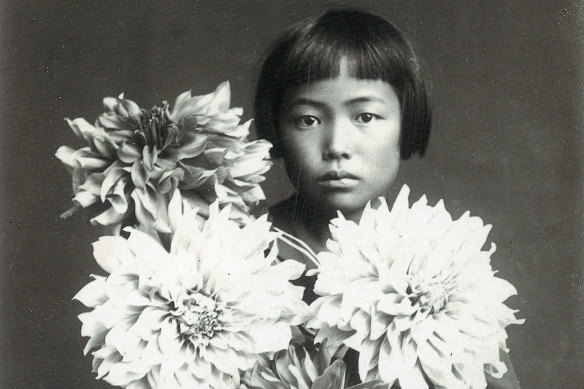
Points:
(340, 140)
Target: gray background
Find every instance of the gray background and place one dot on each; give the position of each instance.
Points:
(507, 144)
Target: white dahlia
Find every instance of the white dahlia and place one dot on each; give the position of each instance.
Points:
(136, 158)
(294, 368)
(302, 368)
(414, 293)
(197, 316)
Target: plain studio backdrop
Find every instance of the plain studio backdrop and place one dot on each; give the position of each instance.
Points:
(507, 89)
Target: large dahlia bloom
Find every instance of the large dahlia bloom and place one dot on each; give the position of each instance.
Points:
(197, 316)
(136, 158)
(413, 291)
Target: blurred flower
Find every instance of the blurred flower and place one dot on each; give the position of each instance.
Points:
(292, 369)
(299, 368)
(412, 291)
(136, 158)
(196, 316)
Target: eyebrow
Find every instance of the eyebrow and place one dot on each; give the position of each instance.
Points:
(305, 101)
(320, 104)
(365, 99)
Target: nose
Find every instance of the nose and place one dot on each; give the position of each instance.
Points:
(338, 142)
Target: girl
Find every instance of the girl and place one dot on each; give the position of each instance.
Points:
(343, 100)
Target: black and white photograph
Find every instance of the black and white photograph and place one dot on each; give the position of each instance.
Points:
(292, 194)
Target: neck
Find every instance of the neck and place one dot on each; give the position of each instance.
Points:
(311, 221)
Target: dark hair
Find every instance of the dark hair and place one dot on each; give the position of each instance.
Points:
(313, 50)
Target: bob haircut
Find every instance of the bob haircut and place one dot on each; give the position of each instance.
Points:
(313, 50)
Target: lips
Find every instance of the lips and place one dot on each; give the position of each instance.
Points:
(337, 175)
(338, 179)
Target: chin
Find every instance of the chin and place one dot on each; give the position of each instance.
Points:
(349, 204)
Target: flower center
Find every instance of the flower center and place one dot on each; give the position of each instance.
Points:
(154, 128)
(434, 297)
(430, 296)
(197, 316)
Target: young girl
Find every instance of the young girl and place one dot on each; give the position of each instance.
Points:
(343, 100)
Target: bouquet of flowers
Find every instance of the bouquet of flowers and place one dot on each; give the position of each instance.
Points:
(195, 294)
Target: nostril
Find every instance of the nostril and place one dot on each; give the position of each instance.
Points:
(330, 155)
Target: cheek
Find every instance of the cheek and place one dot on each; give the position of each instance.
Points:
(384, 166)
(382, 152)
(301, 156)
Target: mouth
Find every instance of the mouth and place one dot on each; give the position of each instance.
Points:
(338, 179)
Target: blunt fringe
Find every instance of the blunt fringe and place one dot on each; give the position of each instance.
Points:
(376, 50)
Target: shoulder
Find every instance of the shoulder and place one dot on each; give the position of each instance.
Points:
(282, 215)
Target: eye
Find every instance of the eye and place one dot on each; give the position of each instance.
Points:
(366, 117)
(307, 121)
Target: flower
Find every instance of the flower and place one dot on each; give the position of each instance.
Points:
(413, 292)
(135, 158)
(297, 368)
(302, 368)
(198, 315)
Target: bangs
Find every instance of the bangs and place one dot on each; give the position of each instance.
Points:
(317, 54)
